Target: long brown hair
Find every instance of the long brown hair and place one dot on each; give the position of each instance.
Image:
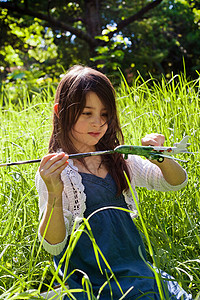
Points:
(71, 99)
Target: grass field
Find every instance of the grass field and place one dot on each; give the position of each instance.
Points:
(172, 219)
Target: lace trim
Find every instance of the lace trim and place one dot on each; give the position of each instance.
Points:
(74, 191)
(128, 195)
(130, 202)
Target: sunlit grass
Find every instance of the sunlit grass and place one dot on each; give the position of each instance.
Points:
(172, 220)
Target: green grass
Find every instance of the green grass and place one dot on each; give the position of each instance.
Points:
(171, 220)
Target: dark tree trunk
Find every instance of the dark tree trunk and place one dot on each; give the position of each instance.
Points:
(92, 17)
(93, 21)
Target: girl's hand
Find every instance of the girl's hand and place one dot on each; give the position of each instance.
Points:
(50, 169)
(153, 139)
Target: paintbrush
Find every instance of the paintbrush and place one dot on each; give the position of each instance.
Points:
(71, 156)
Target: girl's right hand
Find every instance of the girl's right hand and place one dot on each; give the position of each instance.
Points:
(50, 169)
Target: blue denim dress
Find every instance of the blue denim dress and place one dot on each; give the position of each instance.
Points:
(121, 245)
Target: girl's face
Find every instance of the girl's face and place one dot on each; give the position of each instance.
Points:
(91, 125)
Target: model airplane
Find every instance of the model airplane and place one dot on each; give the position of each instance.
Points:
(150, 152)
(156, 152)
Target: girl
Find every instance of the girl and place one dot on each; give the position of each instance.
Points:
(85, 120)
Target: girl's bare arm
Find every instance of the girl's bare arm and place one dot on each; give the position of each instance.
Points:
(50, 169)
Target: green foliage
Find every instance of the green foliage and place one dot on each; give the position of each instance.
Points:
(161, 41)
(24, 86)
(36, 42)
(58, 34)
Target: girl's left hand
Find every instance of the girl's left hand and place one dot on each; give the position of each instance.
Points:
(153, 139)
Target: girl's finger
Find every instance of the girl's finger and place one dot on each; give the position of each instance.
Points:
(46, 158)
(59, 169)
(51, 159)
(56, 163)
(153, 139)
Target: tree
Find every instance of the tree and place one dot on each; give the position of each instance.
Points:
(108, 34)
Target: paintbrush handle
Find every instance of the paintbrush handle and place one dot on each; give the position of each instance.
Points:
(71, 156)
(87, 154)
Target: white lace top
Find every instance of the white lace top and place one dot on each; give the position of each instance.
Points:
(142, 173)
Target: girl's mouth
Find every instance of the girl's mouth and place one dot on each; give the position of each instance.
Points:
(94, 134)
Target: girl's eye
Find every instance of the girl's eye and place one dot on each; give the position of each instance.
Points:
(105, 115)
(86, 113)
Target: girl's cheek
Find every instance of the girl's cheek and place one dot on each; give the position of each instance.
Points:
(81, 127)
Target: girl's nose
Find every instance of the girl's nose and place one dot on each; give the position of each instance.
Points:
(97, 121)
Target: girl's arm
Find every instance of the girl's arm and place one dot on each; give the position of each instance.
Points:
(171, 170)
(50, 169)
